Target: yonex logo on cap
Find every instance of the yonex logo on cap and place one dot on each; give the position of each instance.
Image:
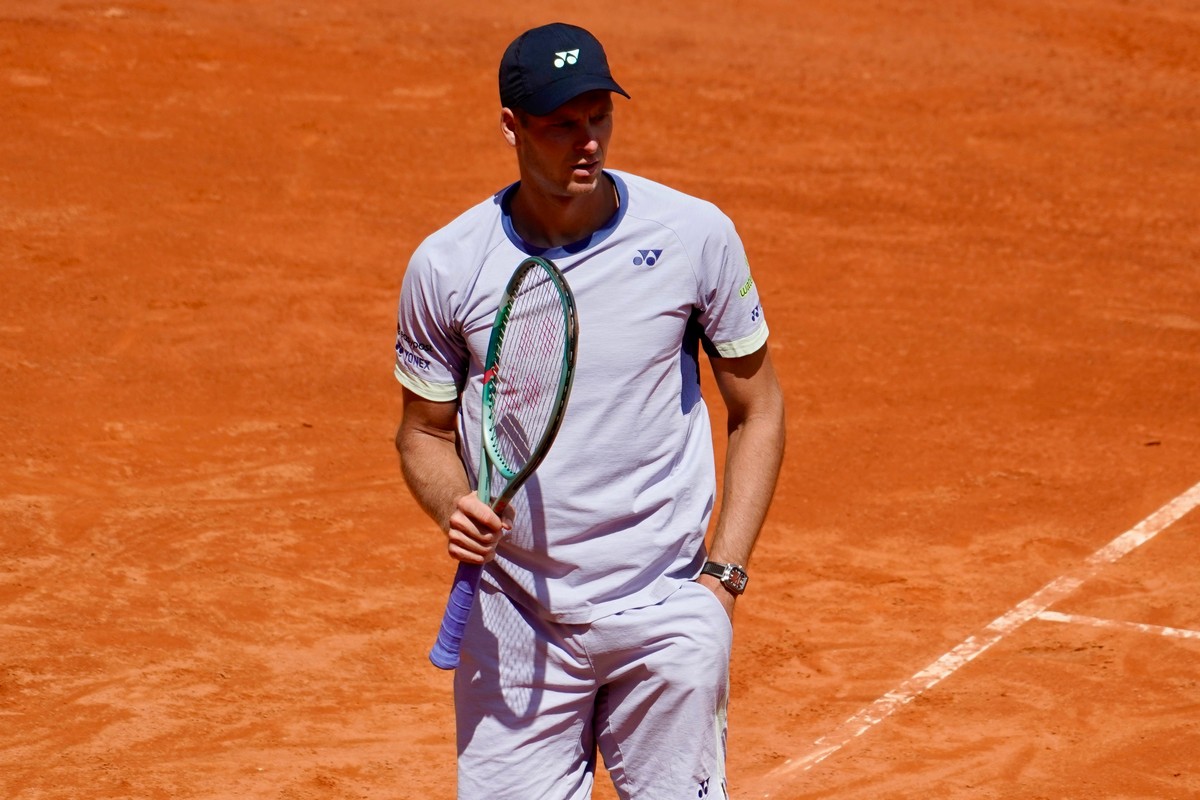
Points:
(566, 57)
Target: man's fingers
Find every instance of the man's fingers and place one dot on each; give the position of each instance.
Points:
(474, 531)
(473, 545)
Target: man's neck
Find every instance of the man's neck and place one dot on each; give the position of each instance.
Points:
(551, 221)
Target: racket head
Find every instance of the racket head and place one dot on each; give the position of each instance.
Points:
(528, 373)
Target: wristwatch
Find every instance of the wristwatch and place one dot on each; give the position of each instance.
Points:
(732, 576)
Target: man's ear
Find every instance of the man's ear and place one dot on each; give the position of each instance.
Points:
(508, 126)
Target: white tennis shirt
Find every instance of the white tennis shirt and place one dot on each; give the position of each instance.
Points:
(615, 517)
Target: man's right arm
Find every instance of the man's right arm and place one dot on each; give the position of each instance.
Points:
(426, 443)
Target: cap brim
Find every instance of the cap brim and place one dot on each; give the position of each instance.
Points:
(543, 102)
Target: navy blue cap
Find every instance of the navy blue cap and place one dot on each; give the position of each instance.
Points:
(547, 66)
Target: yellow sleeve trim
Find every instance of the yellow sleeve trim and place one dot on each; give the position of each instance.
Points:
(744, 346)
(437, 392)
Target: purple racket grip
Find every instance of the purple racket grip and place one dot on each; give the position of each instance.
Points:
(444, 654)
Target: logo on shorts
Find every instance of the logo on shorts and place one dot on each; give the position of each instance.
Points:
(702, 791)
(647, 257)
(565, 57)
(756, 313)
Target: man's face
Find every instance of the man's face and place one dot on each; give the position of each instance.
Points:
(562, 153)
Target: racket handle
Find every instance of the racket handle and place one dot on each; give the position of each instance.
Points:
(444, 654)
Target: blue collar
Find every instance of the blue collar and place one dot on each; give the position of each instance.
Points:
(504, 198)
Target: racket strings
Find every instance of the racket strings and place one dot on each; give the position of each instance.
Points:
(530, 370)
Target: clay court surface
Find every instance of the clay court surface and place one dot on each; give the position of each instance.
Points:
(976, 229)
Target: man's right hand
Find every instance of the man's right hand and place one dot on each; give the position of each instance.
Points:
(474, 531)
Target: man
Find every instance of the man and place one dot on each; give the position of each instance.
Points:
(602, 622)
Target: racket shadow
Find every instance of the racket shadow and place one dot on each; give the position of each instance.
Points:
(510, 688)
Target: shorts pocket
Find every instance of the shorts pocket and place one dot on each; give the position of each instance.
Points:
(712, 611)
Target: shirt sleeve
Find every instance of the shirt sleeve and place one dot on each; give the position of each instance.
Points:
(431, 357)
(730, 312)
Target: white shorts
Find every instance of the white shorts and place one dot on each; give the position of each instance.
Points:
(646, 687)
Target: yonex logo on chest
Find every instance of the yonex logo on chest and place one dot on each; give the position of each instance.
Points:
(566, 57)
(647, 257)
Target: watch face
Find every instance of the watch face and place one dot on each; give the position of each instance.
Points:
(737, 579)
(732, 576)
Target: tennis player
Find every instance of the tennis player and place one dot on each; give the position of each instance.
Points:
(603, 622)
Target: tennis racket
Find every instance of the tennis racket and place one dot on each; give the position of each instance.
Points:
(526, 383)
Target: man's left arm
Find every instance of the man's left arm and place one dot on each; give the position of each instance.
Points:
(754, 403)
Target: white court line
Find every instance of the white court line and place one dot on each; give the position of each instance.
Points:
(973, 646)
(1140, 627)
